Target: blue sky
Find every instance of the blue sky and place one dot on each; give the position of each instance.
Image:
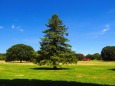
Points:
(91, 23)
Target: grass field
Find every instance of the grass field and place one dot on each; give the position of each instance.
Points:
(85, 73)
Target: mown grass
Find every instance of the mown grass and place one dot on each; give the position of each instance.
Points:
(85, 73)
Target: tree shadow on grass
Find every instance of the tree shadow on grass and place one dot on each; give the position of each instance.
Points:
(112, 69)
(46, 68)
(35, 82)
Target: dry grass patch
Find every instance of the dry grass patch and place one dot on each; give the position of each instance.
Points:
(17, 63)
(96, 63)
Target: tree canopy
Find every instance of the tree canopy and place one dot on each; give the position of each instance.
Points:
(96, 56)
(80, 56)
(54, 45)
(2, 56)
(108, 53)
(20, 52)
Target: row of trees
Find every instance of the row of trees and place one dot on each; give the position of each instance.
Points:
(54, 48)
(95, 56)
(24, 52)
(2, 56)
(107, 54)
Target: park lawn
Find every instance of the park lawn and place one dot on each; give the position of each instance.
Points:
(85, 73)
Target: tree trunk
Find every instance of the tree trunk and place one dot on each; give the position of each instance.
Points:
(55, 67)
(20, 61)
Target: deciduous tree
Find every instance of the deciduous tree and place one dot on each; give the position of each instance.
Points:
(108, 53)
(20, 52)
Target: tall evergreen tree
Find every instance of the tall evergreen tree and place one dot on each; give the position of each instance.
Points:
(54, 44)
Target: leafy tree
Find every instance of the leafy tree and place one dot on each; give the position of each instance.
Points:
(36, 57)
(20, 52)
(108, 53)
(2, 56)
(54, 45)
(96, 56)
(89, 56)
(80, 56)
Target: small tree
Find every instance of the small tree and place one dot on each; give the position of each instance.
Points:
(54, 44)
(80, 56)
(20, 52)
(96, 56)
(89, 56)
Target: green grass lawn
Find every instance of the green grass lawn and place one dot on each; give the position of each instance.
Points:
(85, 73)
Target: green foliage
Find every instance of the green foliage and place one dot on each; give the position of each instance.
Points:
(68, 58)
(2, 56)
(89, 56)
(108, 53)
(80, 56)
(97, 56)
(35, 57)
(54, 43)
(20, 52)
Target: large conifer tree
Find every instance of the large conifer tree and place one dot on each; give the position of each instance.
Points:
(54, 44)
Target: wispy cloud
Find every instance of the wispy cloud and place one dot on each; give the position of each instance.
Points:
(1, 27)
(99, 33)
(13, 26)
(19, 28)
(107, 27)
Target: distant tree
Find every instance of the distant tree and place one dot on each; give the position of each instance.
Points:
(80, 56)
(20, 52)
(96, 56)
(108, 53)
(54, 45)
(2, 56)
(89, 56)
(36, 58)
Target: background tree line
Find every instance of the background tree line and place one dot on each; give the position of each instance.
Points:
(107, 54)
(2, 56)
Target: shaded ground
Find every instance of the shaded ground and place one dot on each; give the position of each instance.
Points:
(34, 82)
(45, 68)
(112, 69)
